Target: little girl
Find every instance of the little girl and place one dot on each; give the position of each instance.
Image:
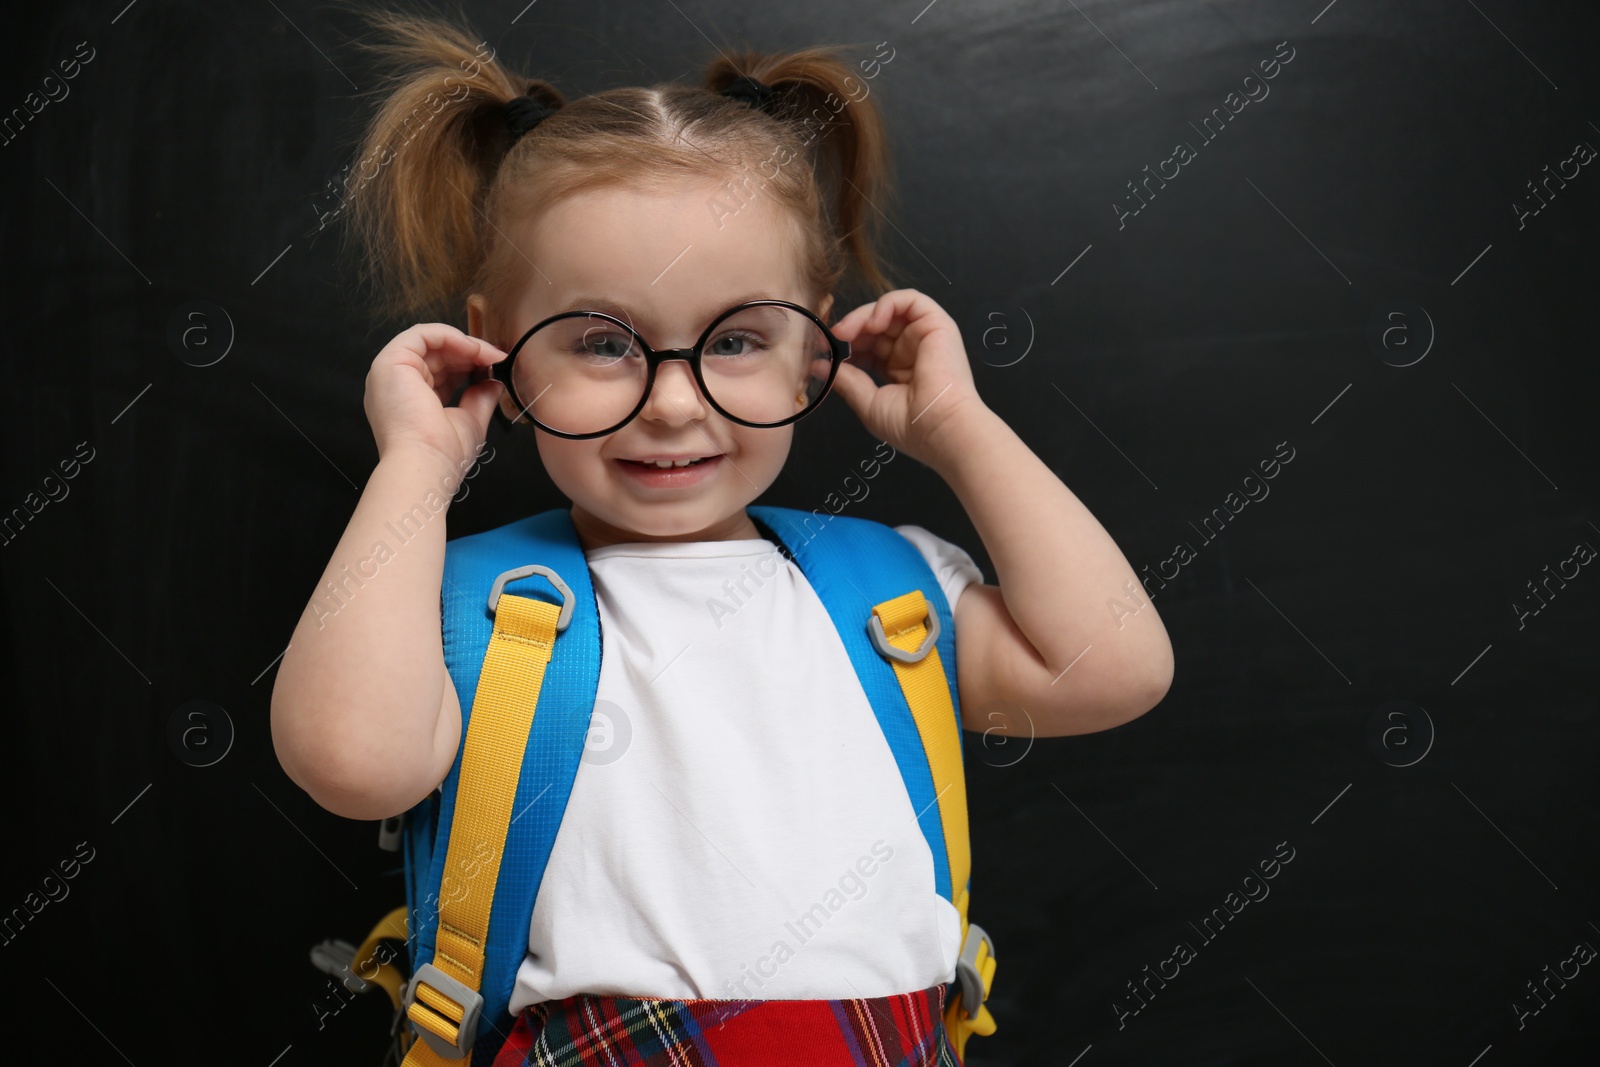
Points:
(752, 779)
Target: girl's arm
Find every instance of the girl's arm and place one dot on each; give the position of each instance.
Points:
(364, 715)
(1068, 634)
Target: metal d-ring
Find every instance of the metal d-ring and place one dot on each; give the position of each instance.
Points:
(880, 640)
(522, 572)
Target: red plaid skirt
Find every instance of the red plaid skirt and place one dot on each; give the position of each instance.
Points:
(906, 1030)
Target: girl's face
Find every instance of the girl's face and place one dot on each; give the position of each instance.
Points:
(663, 262)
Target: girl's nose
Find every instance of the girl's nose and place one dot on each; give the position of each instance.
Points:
(675, 396)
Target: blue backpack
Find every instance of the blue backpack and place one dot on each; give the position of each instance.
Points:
(522, 644)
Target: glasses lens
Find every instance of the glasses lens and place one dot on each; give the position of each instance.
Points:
(581, 374)
(766, 364)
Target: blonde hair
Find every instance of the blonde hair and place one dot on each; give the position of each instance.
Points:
(450, 179)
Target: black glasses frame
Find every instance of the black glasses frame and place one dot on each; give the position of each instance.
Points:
(655, 357)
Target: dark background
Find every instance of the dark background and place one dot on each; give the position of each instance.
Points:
(1233, 313)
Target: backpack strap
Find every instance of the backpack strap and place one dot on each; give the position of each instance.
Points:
(526, 667)
(899, 630)
(903, 630)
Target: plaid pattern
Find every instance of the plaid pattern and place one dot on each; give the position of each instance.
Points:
(905, 1030)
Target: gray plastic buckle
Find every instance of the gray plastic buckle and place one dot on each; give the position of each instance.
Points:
(470, 1000)
(522, 572)
(389, 833)
(335, 957)
(972, 995)
(880, 640)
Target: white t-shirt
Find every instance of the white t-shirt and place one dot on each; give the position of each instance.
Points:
(738, 828)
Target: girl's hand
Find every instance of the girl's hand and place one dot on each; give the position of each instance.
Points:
(412, 381)
(913, 343)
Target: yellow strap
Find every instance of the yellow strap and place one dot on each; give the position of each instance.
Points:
(904, 620)
(367, 966)
(928, 693)
(491, 764)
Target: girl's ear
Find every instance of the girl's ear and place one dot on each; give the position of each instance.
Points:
(475, 315)
(827, 306)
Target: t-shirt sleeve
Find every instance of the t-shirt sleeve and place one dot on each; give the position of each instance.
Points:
(951, 564)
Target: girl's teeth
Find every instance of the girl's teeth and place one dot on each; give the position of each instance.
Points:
(669, 463)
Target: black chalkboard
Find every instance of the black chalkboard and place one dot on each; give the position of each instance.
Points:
(1187, 244)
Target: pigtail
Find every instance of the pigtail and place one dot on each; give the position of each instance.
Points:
(427, 159)
(828, 107)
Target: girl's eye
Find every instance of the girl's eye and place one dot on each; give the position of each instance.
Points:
(738, 343)
(603, 347)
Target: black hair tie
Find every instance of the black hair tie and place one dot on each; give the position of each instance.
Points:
(752, 92)
(523, 113)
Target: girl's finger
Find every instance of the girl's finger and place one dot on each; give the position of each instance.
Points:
(857, 388)
(441, 346)
(890, 306)
(846, 328)
(863, 350)
(439, 337)
(452, 361)
(448, 355)
(480, 400)
(447, 378)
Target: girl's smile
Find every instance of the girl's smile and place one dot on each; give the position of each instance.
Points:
(678, 475)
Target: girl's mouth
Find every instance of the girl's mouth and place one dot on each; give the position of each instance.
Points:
(648, 474)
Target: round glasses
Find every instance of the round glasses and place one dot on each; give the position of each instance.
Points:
(585, 374)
